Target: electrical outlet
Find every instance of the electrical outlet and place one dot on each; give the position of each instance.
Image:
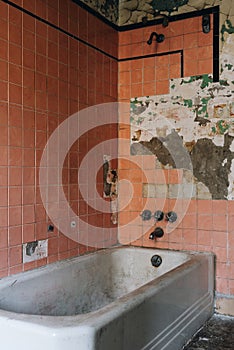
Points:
(35, 250)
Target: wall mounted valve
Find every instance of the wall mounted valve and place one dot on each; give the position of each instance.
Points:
(171, 216)
(157, 233)
(158, 215)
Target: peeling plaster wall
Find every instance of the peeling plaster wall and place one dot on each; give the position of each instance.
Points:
(193, 119)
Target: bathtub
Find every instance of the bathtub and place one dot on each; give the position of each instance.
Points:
(113, 299)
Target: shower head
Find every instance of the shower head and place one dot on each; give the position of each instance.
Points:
(158, 37)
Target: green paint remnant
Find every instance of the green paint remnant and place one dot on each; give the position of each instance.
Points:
(173, 86)
(222, 127)
(191, 79)
(229, 66)
(206, 80)
(223, 82)
(213, 129)
(188, 103)
(227, 27)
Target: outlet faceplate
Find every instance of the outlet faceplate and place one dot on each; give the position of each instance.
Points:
(35, 250)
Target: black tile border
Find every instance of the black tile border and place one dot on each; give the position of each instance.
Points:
(210, 10)
(181, 52)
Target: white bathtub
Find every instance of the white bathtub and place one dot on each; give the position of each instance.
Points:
(110, 300)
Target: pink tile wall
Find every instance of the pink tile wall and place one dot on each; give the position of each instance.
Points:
(45, 76)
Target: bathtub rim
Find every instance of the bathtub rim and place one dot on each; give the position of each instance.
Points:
(117, 306)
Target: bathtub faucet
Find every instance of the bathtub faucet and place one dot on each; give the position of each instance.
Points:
(157, 233)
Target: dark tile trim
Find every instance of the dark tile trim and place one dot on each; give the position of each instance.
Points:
(213, 10)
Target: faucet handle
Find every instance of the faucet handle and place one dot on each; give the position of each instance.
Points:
(158, 215)
(171, 216)
(157, 233)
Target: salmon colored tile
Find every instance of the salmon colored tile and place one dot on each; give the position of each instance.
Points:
(204, 206)
(221, 254)
(15, 176)
(189, 236)
(28, 195)
(149, 88)
(220, 222)
(15, 35)
(162, 73)
(124, 66)
(15, 196)
(15, 74)
(30, 265)
(29, 40)
(149, 62)
(175, 236)
(204, 238)
(204, 222)
(175, 71)
(15, 235)
(28, 233)
(219, 207)
(4, 156)
(222, 270)
(28, 138)
(205, 66)
(136, 64)
(219, 239)
(231, 239)
(3, 176)
(136, 176)
(162, 87)
(205, 39)
(4, 113)
(4, 135)
(29, 78)
(124, 78)
(15, 94)
(3, 237)
(230, 206)
(175, 28)
(41, 230)
(15, 137)
(191, 54)
(190, 221)
(205, 52)
(30, 5)
(28, 176)
(28, 157)
(3, 70)
(162, 61)
(28, 214)
(231, 286)
(15, 214)
(29, 23)
(149, 74)
(136, 76)
(137, 49)
(4, 91)
(124, 51)
(136, 90)
(3, 258)
(190, 68)
(192, 24)
(137, 35)
(3, 49)
(190, 206)
(176, 43)
(4, 10)
(190, 40)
